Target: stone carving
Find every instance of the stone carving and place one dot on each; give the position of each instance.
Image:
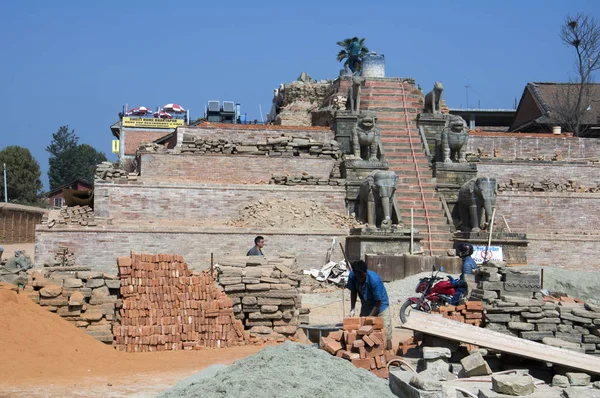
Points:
(14, 271)
(433, 99)
(455, 137)
(475, 197)
(376, 199)
(366, 137)
(353, 100)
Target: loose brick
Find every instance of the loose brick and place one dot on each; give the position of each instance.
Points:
(362, 363)
(365, 330)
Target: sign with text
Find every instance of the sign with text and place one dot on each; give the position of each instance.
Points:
(152, 123)
(493, 253)
(116, 146)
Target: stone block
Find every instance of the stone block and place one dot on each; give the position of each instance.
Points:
(51, 291)
(498, 318)
(579, 392)
(591, 339)
(436, 353)
(545, 327)
(69, 311)
(112, 284)
(230, 280)
(269, 308)
(560, 381)
(535, 336)
(513, 385)
(425, 383)
(54, 302)
(290, 329)
(260, 329)
(485, 285)
(554, 342)
(581, 329)
(85, 275)
(574, 318)
(91, 315)
(399, 382)
(550, 313)
(76, 299)
(578, 379)
(572, 337)
(258, 287)
(585, 314)
(230, 271)
(555, 321)
(250, 300)
(261, 316)
(475, 365)
(250, 280)
(235, 288)
(72, 283)
(505, 310)
(532, 315)
(523, 326)
(94, 283)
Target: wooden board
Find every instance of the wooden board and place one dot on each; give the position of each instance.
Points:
(436, 325)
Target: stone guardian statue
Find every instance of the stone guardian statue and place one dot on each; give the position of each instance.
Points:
(433, 99)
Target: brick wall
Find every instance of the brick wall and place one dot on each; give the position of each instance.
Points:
(229, 169)
(584, 174)
(210, 201)
(254, 133)
(577, 252)
(549, 211)
(98, 248)
(17, 223)
(524, 146)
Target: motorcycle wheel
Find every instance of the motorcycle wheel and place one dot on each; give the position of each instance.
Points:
(405, 310)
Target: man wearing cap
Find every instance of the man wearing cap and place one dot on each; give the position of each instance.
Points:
(373, 297)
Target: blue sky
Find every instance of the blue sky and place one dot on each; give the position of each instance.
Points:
(77, 62)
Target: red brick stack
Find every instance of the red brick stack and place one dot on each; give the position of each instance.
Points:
(166, 307)
(471, 312)
(362, 342)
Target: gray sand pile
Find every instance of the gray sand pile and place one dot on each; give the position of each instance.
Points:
(289, 370)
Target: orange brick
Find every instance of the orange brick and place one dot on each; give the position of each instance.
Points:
(362, 352)
(351, 323)
(350, 355)
(380, 335)
(365, 330)
(382, 373)
(375, 321)
(378, 362)
(337, 336)
(373, 363)
(358, 343)
(124, 261)
(447, 308)
(372, 352)
(350, 337)
(375, 338)
(474, 315)
(460, 307)
(362, 363)
(340, 353)
(368, 341)
(474, 305)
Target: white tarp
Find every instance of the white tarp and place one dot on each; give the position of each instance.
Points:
(332, 272)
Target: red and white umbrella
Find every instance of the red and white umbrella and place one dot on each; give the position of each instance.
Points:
(163, 115)
(142, 110)
(174, 107)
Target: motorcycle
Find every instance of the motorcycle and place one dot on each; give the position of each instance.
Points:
(435, 292)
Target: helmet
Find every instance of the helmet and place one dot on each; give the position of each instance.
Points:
(464, 250)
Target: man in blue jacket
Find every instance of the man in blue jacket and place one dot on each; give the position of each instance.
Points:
(353, 54)
(373, 297)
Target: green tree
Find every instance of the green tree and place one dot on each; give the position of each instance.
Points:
(344, 55)
(23, 176)
(70, 160)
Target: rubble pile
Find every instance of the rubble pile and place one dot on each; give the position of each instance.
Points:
(89, 300)
(362, 342)
(515, 306)
(264, 294)
(296, 103)
(283, 213)
(167, 307)
(471, 312)
(276, 146)
(63, 257)
(109, 171)
(546, 185)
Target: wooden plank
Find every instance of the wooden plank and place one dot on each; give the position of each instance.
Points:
(436, 325)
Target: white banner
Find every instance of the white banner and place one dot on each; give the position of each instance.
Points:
(493, 253)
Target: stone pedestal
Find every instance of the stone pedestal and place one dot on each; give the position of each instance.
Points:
(395, 241)
(343, 125)
(514, 245)
(355, 171)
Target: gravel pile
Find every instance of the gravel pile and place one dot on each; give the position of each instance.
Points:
(288, 370)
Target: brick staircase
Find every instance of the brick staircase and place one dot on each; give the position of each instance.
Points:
(397, 104)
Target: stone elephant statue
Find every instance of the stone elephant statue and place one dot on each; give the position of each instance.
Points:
(475, 197)
(376, 204)
(15, 269)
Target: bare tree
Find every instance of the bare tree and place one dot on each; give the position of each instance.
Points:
(582, 33)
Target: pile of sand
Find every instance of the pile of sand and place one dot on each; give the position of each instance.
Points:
(288, 370)
(34, 341)
(283, 213)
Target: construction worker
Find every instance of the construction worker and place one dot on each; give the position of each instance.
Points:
(1, 251)
(353, 54)
(259, 243)
(467, 279)
(373, 297)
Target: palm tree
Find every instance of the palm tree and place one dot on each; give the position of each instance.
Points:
(344, 55)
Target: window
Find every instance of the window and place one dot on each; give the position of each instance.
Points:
(58, 202)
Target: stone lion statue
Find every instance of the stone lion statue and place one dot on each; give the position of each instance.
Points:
(454, 139)
(15, 269)
(366, 137)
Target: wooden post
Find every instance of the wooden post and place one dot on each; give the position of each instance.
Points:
(211, 264)
(487, 248)
(412, 223)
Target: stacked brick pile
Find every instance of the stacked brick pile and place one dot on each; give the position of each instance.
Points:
(546, 185)
(108, 171)
(277, 146)
(265, 295)
(76, 215)
(87, 299)
(63, 257)
(514, 306)
(304, 179)
(167, 307)
(362, 342)
(471, 312)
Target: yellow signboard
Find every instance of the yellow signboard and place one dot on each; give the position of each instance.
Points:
(152, 123)
(115, 146)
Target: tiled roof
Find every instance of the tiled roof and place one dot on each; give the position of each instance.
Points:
(548, 95)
